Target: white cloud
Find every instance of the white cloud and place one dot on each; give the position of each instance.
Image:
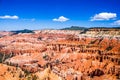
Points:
(116, 22)
(61, 19)
(9, 17)
(104, 16)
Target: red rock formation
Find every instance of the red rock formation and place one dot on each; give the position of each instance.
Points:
(69, 54)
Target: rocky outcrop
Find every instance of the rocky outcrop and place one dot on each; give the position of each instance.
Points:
(69, 55)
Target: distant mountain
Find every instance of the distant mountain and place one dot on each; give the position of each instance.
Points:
(23, 31)
(85, 29)
(104, 28)
(75, 28)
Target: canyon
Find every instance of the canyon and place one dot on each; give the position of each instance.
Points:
(92, 54)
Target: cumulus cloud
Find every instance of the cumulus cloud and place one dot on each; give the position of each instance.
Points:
(116, 23)
(9, 17)
(61, 19)
(103, 16)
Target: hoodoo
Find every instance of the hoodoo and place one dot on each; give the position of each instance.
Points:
(61, 55)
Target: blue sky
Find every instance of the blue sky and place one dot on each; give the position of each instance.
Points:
(56, 14)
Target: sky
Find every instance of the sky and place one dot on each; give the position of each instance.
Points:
(57, 14)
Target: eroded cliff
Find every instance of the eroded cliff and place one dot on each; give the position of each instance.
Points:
(64, 55)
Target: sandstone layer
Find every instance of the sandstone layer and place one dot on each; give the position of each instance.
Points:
(63, 54)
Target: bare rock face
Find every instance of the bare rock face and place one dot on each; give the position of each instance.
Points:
(69, 55)
(97, 72)
(5, 33)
